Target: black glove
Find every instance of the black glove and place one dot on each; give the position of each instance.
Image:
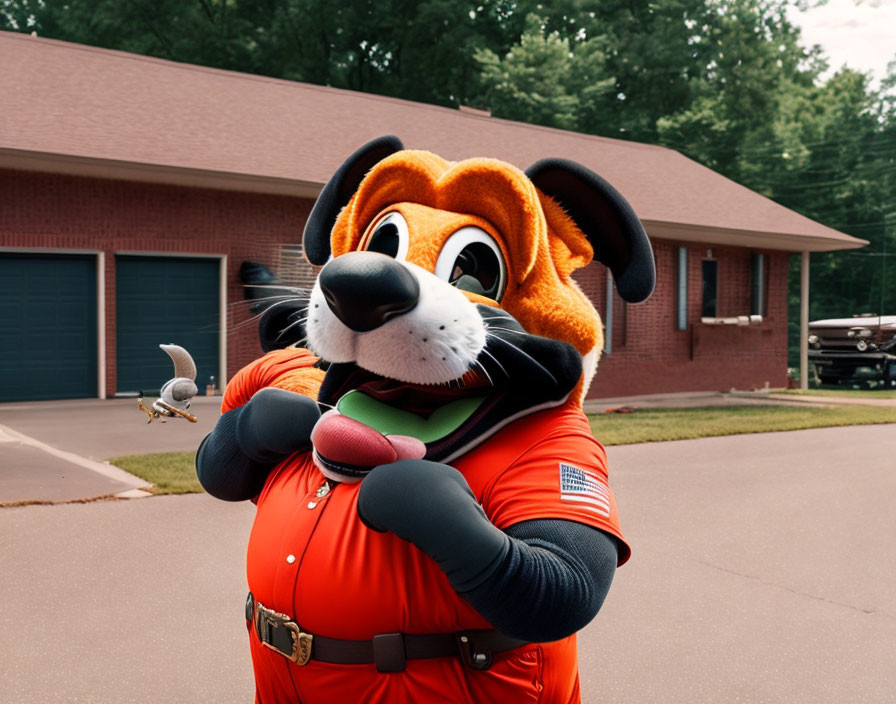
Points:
(431, 505)
(274, 424)
(235, 459)
(542, 581)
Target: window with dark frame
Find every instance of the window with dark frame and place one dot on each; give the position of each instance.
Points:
(710, 288)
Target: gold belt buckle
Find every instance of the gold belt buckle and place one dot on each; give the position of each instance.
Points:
(301, 644)
(265, 619)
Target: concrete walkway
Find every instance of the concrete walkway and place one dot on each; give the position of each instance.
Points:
(730, 398)
(55, 451)
(763, 571)
(833, 400)
(32, 471)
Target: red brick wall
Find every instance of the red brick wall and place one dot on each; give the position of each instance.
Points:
(67, 212)
(649, 354)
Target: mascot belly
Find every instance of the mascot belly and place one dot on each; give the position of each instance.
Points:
(434, 520)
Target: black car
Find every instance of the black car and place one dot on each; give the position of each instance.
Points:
(860, 349)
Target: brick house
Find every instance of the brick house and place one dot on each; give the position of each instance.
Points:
(132, 189)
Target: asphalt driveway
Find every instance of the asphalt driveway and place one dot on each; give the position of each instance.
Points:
(763, 571)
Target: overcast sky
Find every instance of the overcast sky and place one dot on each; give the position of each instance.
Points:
(860, 34)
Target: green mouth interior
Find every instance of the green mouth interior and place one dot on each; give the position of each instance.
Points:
(394, 421)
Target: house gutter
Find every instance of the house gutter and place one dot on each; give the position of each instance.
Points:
(783, 241)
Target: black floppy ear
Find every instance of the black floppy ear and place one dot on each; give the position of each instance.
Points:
(607, 220)
(339, 191)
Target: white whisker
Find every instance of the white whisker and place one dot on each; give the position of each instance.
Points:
(292, 325)
(505, 318)
(495, 360)
(479, 364)
(489, 328)
(257, 316)
(247, 303)
(294, 290)
(516, 347)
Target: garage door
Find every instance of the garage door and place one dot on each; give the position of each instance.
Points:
(162, 300)
(48, 327)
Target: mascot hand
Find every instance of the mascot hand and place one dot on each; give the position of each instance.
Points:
(274, 424)
(431, 505)
(247, 442)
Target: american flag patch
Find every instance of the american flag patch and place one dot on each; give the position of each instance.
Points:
(586, 488)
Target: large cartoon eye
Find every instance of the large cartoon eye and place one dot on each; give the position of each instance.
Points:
(390, 236)
(472, 261)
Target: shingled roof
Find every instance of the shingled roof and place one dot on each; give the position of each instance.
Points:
(76, 109)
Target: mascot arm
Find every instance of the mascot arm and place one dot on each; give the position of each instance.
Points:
(235, 459)
(553, 581)
(542, 580)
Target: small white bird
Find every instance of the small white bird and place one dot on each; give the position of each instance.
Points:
(176, 394)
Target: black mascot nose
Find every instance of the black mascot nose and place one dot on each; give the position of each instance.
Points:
(367, 289)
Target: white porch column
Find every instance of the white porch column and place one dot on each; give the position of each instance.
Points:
(804, 322)
(101, 324)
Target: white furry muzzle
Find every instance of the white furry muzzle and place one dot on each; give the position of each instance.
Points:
(435, 342)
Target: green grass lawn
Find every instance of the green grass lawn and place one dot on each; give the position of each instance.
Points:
(845, 393)
(170, 472)
(655, 425)
(175, 472)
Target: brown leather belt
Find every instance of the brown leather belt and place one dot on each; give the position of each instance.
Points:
(388, 651)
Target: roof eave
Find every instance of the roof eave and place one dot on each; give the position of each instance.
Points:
(783, 241)
(91, 167)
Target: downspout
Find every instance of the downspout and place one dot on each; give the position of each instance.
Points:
(608, 317)
(222, 335)
(804, 322)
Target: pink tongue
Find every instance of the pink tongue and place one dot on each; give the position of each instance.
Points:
(347, 441)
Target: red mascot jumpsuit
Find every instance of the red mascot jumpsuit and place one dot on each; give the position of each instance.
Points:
(312, 558)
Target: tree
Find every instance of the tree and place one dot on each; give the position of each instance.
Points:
(207, 32)
(420, 50)
(542, 79)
